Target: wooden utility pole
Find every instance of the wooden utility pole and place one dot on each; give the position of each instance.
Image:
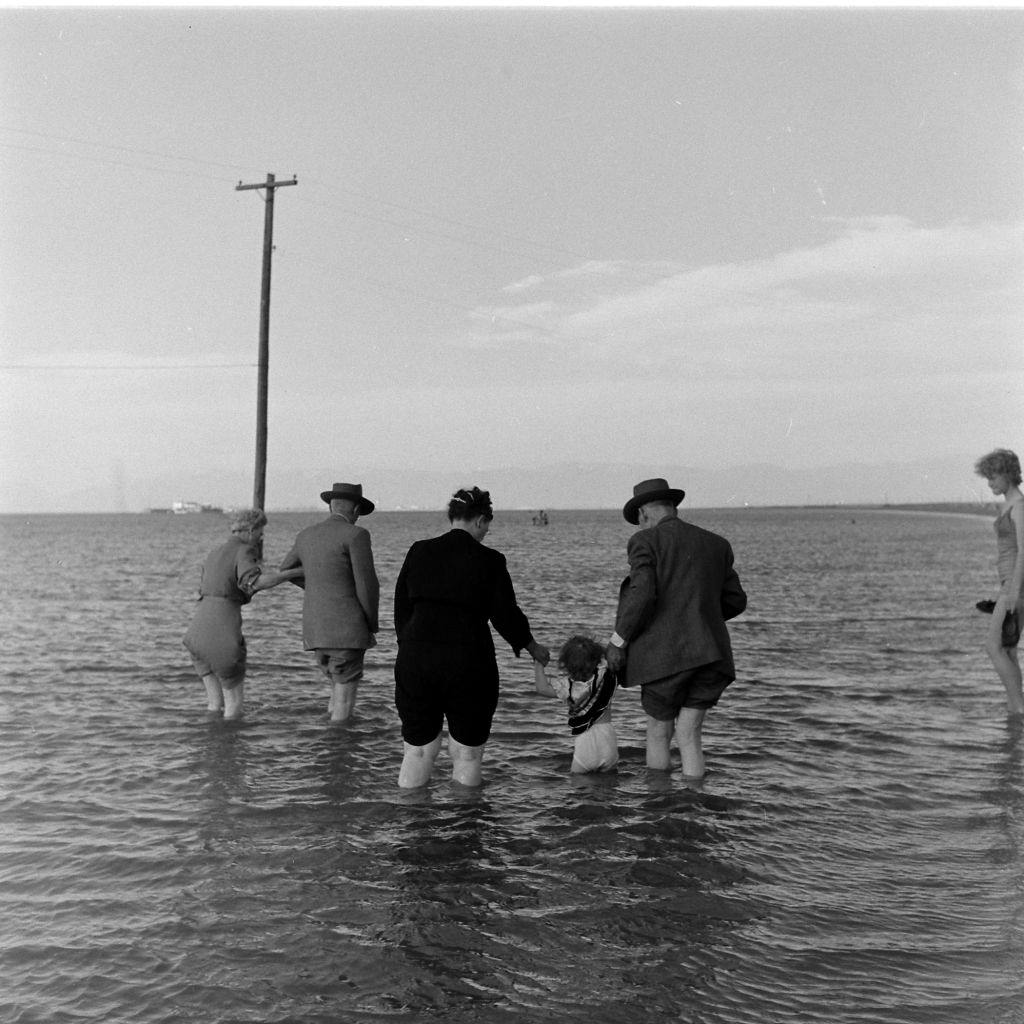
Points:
(259, 492)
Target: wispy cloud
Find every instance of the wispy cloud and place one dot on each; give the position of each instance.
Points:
(883, 296)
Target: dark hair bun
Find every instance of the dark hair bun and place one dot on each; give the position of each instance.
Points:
(468, 503)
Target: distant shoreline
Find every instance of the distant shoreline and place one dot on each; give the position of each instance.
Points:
(969, 508)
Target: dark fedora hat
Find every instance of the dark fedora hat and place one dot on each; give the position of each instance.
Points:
(650, 490)
(354, 492)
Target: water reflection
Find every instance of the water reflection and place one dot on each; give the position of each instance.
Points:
(1009, 781)
(855, 853)
(222, 767)
(450, 876)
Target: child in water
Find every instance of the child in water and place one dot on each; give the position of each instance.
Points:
(587, 692)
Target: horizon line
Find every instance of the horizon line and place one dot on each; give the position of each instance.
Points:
(921, 506)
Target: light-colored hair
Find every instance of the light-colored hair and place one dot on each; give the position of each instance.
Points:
(248, 520)
(662, 504)
(1001, 461)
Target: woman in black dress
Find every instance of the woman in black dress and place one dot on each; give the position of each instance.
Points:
(449, 589)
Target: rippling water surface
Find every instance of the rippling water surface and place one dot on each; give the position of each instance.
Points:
(854, 854)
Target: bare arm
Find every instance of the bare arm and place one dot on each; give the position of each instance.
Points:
(1017, 576)
(267, 580)
(540, 680)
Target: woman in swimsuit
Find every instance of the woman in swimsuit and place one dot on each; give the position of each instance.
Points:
(1001, 469)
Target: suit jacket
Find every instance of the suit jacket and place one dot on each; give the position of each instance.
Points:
(450, 587)
(342, 593)
(673, 606)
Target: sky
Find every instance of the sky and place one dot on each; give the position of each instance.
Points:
(773, 253)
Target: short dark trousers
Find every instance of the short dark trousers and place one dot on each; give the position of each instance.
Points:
(694, 688)
(434, 682)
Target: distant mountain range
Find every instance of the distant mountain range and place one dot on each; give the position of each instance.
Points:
(591, 485)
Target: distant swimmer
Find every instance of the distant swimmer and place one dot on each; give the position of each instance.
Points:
(670, 635)
(342, 594)
(230, 577)
(1001, 468)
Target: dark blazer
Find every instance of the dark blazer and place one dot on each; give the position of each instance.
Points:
(673, 606)
(450, 587)
(342, 593)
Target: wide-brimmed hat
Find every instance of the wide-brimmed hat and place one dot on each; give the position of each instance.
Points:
(650, 490)
(354, 492)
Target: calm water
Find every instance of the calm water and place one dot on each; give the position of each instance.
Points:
(855, 854)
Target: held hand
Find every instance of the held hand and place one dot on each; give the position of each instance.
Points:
(538, 652)
(615, 657)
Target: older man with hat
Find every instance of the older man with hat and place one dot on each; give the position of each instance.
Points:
(342, 593)
(670, 635)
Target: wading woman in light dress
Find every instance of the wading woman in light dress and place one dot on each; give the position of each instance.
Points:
(1001, 469)
(231, 575)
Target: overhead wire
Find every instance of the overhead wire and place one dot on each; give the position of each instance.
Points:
(102, 160)
(212, 163)
(127, 366)
(373, 282)
(440, 300)
(120, 149)
(447, 220)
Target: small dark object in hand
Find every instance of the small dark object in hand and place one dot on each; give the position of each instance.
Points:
(986, 606)
(1011, 629)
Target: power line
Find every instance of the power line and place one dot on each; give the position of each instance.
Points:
(418, 211)
(416, 229)
(103, 160)
(455, 223)
(494, 246)
(127, 366)
(120, 149)
(434, 298)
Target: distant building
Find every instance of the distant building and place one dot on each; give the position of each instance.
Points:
(187, 507)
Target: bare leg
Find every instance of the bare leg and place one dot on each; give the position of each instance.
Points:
(1017, 705)
(343, 701)
(1004, 660)
(417, 763)
(214, 694)
(659, 744)
(467, 763)
(234, 700)
(688, 727)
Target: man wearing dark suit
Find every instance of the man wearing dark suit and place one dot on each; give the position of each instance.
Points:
(450, 590)
(670, 634)
(342, 593)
